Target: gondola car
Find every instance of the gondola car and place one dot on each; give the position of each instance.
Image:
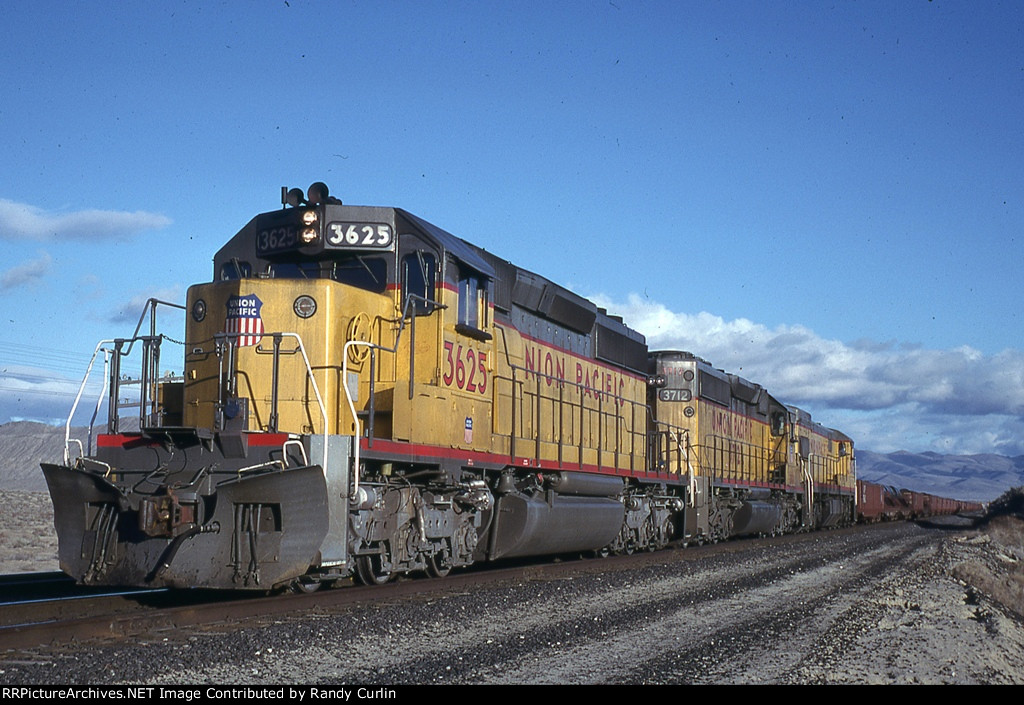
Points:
(886, 503)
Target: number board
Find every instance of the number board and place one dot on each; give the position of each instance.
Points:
(279, 238)
(674, 394)
(374, 236)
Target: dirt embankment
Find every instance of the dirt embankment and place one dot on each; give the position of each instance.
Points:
(994, 569)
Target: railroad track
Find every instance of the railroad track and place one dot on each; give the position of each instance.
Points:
(20, 586)
(120, 614)
(27, 588)
(134, 612)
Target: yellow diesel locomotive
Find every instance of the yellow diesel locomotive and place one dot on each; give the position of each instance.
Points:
(365, 394)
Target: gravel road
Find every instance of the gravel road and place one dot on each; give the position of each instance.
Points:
(878, 606)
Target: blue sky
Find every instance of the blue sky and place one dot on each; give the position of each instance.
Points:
(825, 197)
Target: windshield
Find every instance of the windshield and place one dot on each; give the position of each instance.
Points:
(370, 273)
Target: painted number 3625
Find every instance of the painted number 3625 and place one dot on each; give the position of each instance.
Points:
(466, 367)
(359, 235)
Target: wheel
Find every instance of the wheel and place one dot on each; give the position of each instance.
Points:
(371, 571)
(438, 565)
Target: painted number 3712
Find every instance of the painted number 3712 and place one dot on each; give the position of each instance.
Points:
(466, 368)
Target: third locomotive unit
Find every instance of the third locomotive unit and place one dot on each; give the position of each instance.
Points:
(364, 394)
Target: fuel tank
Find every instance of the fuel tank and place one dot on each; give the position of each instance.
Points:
(551, 523)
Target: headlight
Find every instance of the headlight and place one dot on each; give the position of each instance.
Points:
(304, 306)
(308, 217)
(198, 310)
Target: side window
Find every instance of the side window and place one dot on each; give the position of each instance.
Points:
(473, 304)
(469, 305)
(418, 272)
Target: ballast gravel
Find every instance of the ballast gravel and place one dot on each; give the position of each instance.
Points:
(879, 606)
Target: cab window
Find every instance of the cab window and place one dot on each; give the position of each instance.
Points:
(418, 273)
(368, 273)
(235, 270)
(295, 270)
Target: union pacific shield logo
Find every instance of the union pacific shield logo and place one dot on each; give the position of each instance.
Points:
(244, 319)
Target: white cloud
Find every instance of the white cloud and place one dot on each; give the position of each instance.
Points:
(36, 394)
(27, 272)
(898, 396)
(21, 221)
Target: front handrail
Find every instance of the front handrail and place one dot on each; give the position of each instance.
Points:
(113, 350)
(808, 491)
(300, 348)
(78, 397)
(683, 445)
(150, 309)
(112, 382)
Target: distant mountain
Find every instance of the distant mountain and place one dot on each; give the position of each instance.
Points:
(23, 445)
(977, 477)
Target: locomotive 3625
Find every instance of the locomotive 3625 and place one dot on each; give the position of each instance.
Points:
(365, 394)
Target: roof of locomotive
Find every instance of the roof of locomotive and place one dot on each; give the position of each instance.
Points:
(804, 419)
(513, 286)
(459, 248)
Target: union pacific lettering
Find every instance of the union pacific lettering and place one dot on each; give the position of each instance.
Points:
(593, 380)
(731, 425)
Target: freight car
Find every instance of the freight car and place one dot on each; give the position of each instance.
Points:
(365, 394)
(886, 503)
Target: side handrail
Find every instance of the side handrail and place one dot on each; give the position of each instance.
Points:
(638, 432)
(689, 467)
(358, 431)
(809, 491)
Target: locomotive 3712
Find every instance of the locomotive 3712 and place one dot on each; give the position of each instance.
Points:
(365, 394)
